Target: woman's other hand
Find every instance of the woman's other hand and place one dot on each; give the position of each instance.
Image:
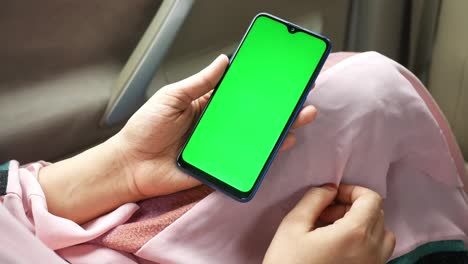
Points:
(333, 226)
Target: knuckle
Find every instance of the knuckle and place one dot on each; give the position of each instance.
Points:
(376, 200)
(205, 81)
(359, 234)
(314, 193)
(292, 220)
(170, 91)
(379, 201)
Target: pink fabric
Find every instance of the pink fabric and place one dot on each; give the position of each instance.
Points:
(373, 129)
(155, 215)
(15, 239)
(25, 201)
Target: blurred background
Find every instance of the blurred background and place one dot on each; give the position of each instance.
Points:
(72, 72)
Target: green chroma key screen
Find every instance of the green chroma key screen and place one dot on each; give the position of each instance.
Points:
(252, 105)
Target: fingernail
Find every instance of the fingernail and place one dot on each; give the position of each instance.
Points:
(330, 186)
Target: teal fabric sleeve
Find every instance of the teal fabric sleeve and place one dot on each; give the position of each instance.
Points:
(5, 166)
(430, 248)
(4, 178)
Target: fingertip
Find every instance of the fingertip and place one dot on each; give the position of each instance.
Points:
(307, 211)
(223, 58)
(311, 109)
(331, 186)
(310, 113)
(365, 204)
(326, 194)
(307, 114)
(327, 188)
(389, 244)
(288, 142)
(218, 64)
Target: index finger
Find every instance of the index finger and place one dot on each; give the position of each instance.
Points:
(365, 203)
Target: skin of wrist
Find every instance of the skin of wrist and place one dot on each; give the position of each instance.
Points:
(127, 167)
(89, 184)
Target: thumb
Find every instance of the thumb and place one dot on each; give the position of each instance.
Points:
(306, 213)
(204, 81)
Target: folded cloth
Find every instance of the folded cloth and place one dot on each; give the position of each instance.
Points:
(154, 215)
(377, 127)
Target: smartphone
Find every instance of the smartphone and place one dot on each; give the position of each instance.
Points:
(253, 106)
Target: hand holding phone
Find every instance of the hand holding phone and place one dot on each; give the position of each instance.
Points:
(151, 140)
(253, 106)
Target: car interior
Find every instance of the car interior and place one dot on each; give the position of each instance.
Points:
(73, 72)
